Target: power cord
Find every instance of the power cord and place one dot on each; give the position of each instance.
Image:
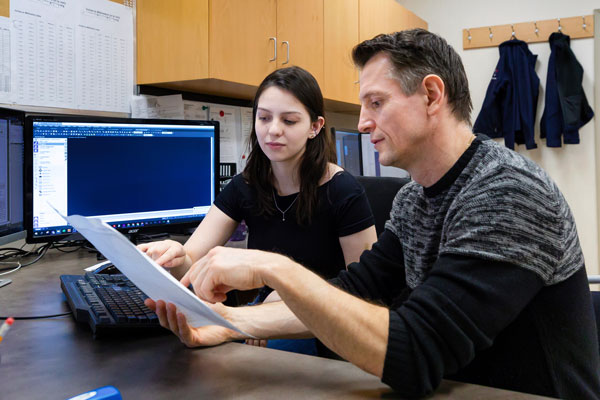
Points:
(18, 267)
(39, 316)
(18, 253)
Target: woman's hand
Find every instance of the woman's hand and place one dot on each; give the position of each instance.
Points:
(166, 253)
(257, 342)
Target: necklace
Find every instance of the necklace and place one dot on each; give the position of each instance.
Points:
(287, 209)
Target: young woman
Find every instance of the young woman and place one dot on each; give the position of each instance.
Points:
(293, 198)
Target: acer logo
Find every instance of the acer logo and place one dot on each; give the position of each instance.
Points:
(132, 230)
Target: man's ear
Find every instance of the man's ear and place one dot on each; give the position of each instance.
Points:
(436, 93)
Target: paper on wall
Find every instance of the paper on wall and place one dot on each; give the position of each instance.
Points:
(195, 110)
(69, 54)
(229, 120)
(246, 129)
(167, 107)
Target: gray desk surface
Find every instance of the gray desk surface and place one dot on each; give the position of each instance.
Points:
(57, 358)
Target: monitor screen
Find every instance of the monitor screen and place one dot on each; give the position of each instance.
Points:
(11, 175)
(139, 176)
(347, 148)
(371, 165)
(370, 156)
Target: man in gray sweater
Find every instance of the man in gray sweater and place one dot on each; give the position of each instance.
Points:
(478, 277)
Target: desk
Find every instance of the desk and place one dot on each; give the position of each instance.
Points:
(57, 358)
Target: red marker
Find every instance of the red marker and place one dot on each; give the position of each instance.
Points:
(5, 327)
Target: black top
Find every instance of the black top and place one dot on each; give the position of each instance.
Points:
(343, 210)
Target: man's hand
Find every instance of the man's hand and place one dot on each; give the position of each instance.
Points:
(224, 269)
(192, 337)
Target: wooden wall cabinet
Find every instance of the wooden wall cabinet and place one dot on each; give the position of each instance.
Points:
(385, 16)
(347, 23)
(172, 40)
(227, 47)
(239, 46)
(340, 36)
(250, 39)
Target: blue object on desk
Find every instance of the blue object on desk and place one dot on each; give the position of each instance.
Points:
(102, 393)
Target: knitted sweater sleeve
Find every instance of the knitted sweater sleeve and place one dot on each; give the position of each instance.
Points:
(440, 325)
(379, 275)
(461, 307)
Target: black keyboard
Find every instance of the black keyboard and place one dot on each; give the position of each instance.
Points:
(109, 304)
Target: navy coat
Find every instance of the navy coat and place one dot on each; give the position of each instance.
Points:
(566, 108)
(511, 99)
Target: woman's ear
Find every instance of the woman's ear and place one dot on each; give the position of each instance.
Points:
(316, 127)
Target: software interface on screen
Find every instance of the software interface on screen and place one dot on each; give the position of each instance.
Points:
(347, 146)
(11, 175)
(130, 175)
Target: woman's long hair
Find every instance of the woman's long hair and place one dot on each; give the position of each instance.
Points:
(319, 150)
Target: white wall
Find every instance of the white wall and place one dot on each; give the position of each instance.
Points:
(572, 167)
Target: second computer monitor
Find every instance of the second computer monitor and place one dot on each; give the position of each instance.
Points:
(136, 175)
(11, 175)
(348, 150)
(357, 155)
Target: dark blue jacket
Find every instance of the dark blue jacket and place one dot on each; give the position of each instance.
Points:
(511, 100)
(566, 108)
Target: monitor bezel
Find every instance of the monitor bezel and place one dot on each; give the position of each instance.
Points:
(180, 228)
(15, 233)
(360, 157)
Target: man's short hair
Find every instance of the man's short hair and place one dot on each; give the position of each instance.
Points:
(415, 54)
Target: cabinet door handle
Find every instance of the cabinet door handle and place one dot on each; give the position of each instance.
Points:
(274, 39)
(287, 44)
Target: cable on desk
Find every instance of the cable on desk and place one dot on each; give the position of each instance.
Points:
(20, 253)
(78, 244)
(18, 267)
(11, 252)
(39, 316)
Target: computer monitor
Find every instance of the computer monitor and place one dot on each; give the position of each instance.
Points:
(139, 176)
(11, 175)
(347, 148)
(370, 161)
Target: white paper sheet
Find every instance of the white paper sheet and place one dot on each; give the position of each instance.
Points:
(246, 122)
(169, 107)
(69, 54)
(195, 110)
(229, 125)
(103, 55)
(148, 276)
(5, 74)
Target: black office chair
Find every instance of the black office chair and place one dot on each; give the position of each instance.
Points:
(596, 301)
(596, 304)
(381, 191)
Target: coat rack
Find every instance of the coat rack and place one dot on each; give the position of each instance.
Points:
(530, 32)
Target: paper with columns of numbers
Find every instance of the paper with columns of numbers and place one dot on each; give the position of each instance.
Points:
(145, 273)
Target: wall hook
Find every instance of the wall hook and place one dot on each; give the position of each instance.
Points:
(491, 34)
(537, 31)
(559, 27)
(584, 24)
(512, 28)
(469, 35)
